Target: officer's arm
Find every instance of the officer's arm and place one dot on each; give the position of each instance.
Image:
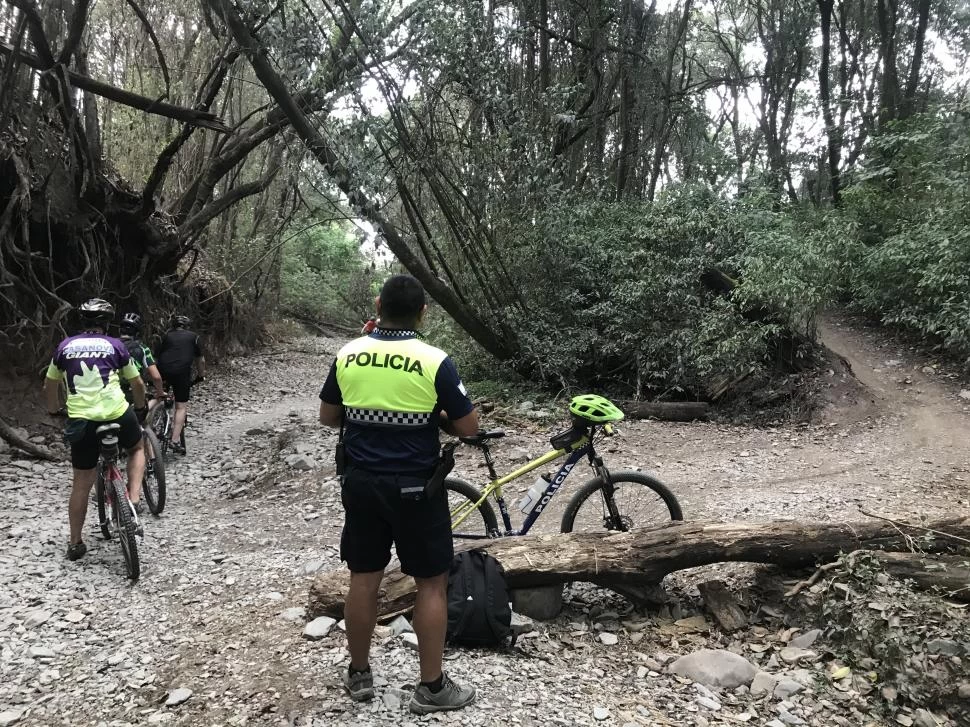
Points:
(466, 426)
(331, 414)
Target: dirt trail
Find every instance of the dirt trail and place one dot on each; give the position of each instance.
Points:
(226, 569)
(907, 384)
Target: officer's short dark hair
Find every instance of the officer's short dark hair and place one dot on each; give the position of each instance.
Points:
(402, 299)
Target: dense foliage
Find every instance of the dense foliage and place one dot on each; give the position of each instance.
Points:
(325, 278)
(566, 177)
(907, 225)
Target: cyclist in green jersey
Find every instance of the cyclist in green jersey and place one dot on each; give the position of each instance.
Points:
(93, 365)
(141, 355)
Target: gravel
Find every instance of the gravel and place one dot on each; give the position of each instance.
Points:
(218, 612)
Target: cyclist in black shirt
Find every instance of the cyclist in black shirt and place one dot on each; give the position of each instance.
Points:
(179, 348)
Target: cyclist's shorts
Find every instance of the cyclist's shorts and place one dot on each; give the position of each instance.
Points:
(381, 509)
(181, 383)
(82, 435)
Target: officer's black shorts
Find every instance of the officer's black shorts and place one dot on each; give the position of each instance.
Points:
(82, 435)
(378, 513)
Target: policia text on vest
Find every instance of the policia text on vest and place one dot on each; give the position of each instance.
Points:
(388, 360)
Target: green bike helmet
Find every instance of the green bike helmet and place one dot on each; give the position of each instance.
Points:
(594, 408)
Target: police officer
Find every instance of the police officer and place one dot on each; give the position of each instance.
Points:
(390, 392)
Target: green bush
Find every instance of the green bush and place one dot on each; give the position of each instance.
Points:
(616, 300)
(909, 217)
(325, 277)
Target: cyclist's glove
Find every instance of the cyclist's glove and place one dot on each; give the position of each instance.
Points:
(141, 413)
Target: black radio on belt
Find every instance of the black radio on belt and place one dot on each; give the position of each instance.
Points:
(445, 464)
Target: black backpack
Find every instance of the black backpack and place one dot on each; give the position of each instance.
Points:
(478, 601)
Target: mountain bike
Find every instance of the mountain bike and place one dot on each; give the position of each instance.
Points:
(153, 483)
(614, 501)
(161, 420)
(116, 514)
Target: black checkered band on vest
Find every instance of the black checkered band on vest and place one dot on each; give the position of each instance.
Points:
(393, 418)
(395, 333)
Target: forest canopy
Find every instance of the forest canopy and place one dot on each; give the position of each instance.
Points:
(649, 196)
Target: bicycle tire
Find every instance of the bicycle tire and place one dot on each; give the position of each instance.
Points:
(460, 492)
(671, 507)
(126, 531)
(153, 483)
(160, 423)
(100, 499)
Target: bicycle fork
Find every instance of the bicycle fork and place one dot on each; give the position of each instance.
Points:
(612, 519)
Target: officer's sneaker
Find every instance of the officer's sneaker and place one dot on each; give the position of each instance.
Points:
(450, 696)
(359, 685)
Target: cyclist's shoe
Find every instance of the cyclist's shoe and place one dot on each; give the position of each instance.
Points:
(451, 696)
(177, 448)
(140, 507)
(76, 551)
(359, 685)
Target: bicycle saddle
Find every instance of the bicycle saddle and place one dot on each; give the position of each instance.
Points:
(106, 429)
(481, 437)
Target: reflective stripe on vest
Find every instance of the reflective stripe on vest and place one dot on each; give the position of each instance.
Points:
(388, 382)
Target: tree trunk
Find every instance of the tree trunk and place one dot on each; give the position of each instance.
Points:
(643, 557)
(887, 15)
(833, 135)
(11, 437)
(919, 45)
(669, 411)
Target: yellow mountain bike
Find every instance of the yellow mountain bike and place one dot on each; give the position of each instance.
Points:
(609, 501)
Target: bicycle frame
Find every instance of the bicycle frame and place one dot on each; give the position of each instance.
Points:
(575, 452)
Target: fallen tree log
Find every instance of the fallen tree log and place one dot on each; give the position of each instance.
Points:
(671, 411)
(950, 574)
(10, 436)
(644, 556)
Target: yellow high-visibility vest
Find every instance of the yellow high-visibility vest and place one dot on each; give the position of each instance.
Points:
(388, 381)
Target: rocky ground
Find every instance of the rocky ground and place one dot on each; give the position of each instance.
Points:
(212, 634)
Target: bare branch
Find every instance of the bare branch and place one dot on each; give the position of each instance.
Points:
(127, 98)
(158, 46)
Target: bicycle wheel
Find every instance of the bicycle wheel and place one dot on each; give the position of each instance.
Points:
(100, 498)
(126, 530)
(461, 501)
(153, 483)
(161, 423)
(638, 501)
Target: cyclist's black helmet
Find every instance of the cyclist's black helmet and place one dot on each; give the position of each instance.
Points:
(131, 322)
(181, 321)
(96, 310)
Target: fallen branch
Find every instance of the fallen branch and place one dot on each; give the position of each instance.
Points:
(917, 526)
(949, 574)
(645, 556)
(127, 98)
(671, 411)
(11, 437)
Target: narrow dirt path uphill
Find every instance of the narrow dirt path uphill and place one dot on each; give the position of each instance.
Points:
(254, 511)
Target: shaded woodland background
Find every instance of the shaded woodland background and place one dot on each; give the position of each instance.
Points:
(650, 197)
